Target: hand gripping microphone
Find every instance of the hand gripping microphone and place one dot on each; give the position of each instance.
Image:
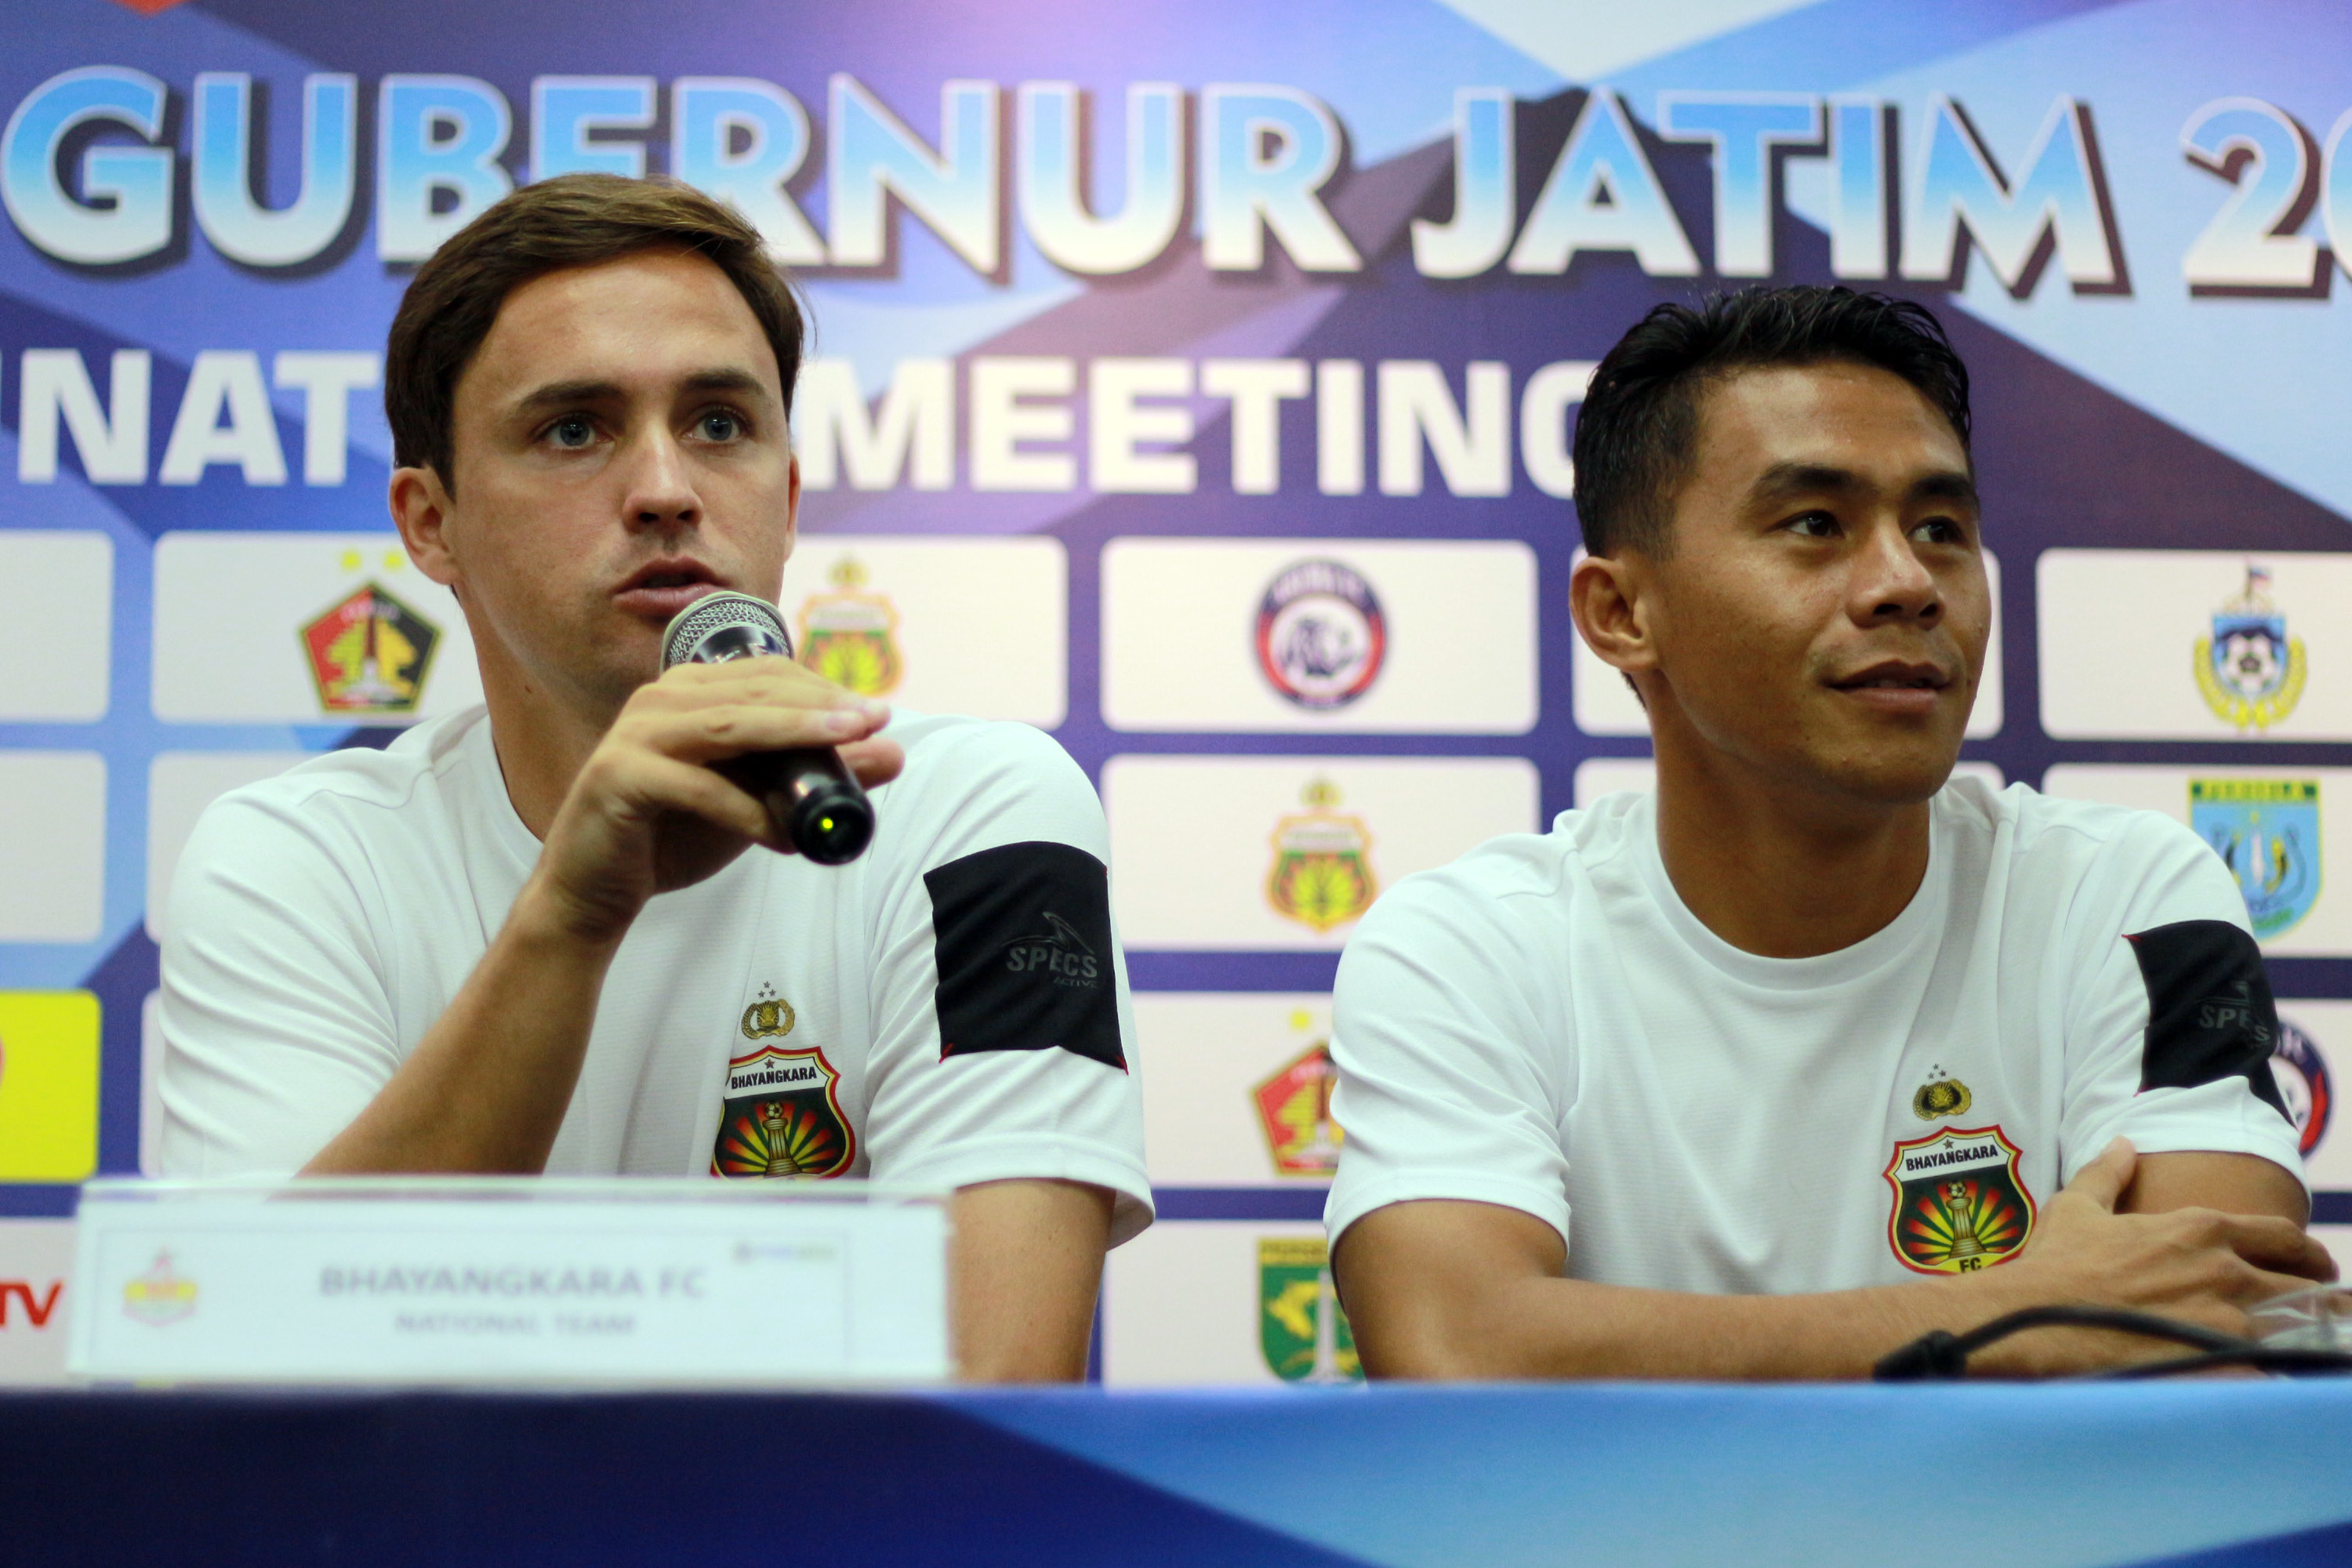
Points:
(811, 796)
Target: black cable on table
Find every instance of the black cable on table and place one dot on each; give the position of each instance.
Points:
(1941, 1356)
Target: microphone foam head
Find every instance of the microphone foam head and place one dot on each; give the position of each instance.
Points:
(725, 625)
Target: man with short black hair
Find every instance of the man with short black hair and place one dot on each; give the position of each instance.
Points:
(548, 934)
(1818, 1048)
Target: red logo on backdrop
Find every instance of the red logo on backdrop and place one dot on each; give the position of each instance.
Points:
(370, 653)
(37, 1308)
(2301, 1073)
(147, 7)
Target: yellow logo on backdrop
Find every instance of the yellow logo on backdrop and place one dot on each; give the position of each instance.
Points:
(2250, 672)
(49, 1085)
(850, 636)
(1322, 872)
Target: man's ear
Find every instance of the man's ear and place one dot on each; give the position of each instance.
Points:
(1606, 596)
(420, 510)
(792, 506)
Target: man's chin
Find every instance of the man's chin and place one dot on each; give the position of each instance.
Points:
(1897, 781)
(625, 655)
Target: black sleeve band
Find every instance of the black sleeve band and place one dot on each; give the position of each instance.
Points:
(2210, 1014)
(1025, 960)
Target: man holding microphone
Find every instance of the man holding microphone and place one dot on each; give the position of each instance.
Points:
(551, 935)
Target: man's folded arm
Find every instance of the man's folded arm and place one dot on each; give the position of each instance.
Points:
(1449, 1290)
(2150, 1057)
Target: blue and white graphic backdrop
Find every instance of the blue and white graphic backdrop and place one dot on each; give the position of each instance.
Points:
(1194, 380)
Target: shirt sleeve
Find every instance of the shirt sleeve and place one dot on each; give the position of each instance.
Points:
(1438, 1045)
(2169, 1035)
(277, 1026)
(1003, 1032)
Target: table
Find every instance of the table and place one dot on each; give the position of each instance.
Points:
(2212, 1474)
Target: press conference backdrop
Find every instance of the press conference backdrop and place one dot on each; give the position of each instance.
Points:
(1194, 380)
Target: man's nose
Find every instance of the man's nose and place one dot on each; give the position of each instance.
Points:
(1890, 581)
(658, 489)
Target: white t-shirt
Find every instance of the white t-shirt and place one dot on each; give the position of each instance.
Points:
(1544, 1025)
(950, 1008)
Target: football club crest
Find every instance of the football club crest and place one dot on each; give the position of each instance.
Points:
(2303, 1083)
(850, 636)
(782, 1116)
(2250, 672)
(1322, 874)
(1302, 1333)
(1959, 1205)
(2267, 832)
(1293, 1111)
(1320, 635)
(370, 653)
(160, 1295)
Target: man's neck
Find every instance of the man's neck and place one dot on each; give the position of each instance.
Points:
(1779, 872)
(543, 737)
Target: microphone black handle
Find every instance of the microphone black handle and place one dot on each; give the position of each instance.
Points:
(814, 802)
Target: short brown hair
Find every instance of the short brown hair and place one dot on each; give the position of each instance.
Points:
(572, 220)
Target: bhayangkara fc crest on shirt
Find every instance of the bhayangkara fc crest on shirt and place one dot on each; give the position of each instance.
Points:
(2303, 1083)
(850, 636)
(1293, 1111)
(782, 1117)
(370, 653)
(1322, 874)
(2267, 832)
(1320, 635)
(1302, 1333)
(1960, 1204)
(2250, 672)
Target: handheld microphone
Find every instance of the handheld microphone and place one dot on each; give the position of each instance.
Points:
(811, 798)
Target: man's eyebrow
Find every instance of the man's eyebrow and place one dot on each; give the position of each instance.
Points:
(556, 394)
(1784, 480)
(725, 378)
(1951, 485)
(561, 392)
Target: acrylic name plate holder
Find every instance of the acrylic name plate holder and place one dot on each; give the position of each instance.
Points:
(510, 1280)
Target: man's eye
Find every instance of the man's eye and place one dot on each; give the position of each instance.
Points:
(1939, 530)
(719, 424)
(572, 432)
(1813, 524)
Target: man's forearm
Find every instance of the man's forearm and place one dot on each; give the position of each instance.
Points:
(487, 1088)
(1452, 1289)
(1574, 1328)
(1443, 1289)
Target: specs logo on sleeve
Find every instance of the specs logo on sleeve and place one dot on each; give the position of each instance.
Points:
(1059, 951)
(1026, 957)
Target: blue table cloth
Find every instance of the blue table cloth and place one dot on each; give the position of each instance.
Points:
(2210, 1473)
